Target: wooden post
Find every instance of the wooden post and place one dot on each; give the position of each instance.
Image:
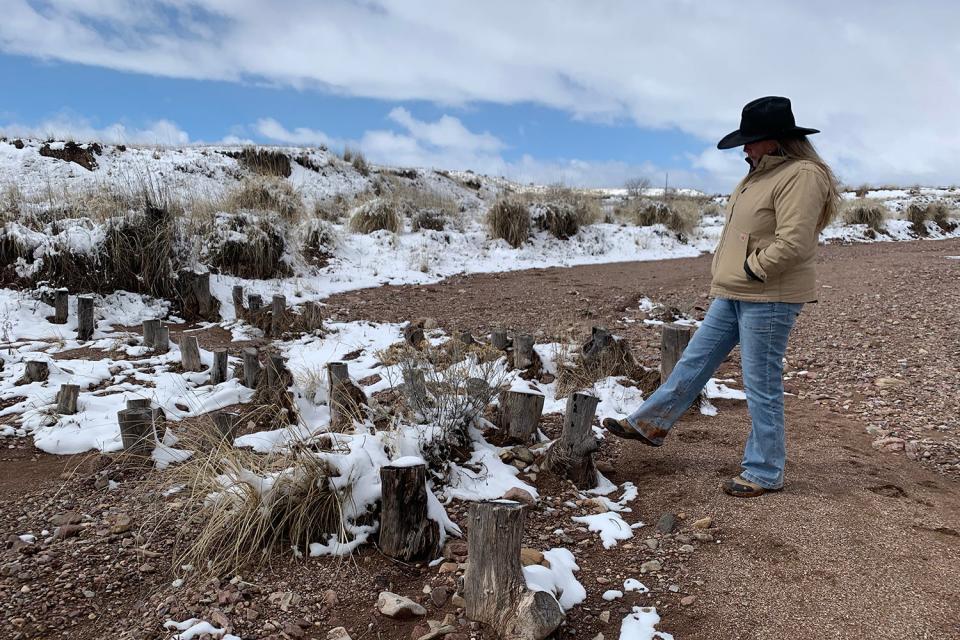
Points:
(338, 376)
(162, 340)
(572, 455)
(219, 372)
(84, 318)
(522, 351)
(276, 373)
(520, 413)
(237, 293)
(406, 533)
(312, 316)
(673, 340)
(226, 423)
(251, 368)
(499, 340)
(61, 304)
(254, 302)
(150, 328)
(466, 338)
(190, 353)
(494, 589)
(136, 430)
(139, 403)
(278, 312)
(415, 388)
(67, 399)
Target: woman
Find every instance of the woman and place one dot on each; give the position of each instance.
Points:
(763, 273)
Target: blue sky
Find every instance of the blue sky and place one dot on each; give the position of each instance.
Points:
(543, 91)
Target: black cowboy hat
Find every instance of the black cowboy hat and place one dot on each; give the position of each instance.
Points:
(767, 118)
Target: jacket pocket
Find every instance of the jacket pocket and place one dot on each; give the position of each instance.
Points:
(728, 271)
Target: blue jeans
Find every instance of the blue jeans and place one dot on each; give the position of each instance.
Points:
(762, 329)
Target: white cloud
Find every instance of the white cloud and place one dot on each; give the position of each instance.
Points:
(447, 132)
(878, 78)
(301, 136)
(160, 132)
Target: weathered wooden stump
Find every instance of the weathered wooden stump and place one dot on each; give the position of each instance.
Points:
(237, 295)
(84, 318)
(218, 374)
(312, 316)
(150, 329)
(226, 423)
(139, 403)
(195, 295)
(673, 340)
(190, 353)
(466, 338)
(607, 353)
(523, 353)
(67, 399)
(406, 533)
(161, 343)
(520, 413)
(278, 315)
(136, 429)
(499, 339)
(572, 454)
(415, 388)
(251, 368)
(345, 399)
(277, 373)
(254, 302)
(35, 371)
(495, 590)
(61, 306)
(413, 334)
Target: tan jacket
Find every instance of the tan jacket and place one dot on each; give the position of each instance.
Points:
(772, 226)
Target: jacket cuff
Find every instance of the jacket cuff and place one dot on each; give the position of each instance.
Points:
(751, 272)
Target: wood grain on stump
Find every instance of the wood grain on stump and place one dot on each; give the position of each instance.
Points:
(406, 532)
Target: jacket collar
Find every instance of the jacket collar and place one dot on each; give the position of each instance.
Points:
(766, 163)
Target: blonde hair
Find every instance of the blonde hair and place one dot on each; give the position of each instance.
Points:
(801, 149)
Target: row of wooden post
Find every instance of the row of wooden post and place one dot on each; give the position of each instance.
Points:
(279, 314)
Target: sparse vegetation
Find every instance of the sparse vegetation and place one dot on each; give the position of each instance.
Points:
(918, 216)
(318, 242)
(509, 219)
(431, 219)
(636, 186)
(559, 218)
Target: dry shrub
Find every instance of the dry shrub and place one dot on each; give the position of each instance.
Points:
(871, 213)
(448, 386)
(601, 357)
(241, 507)
(862, 191)
(319, 240)
(360, 164)
(680, 215)
(431, 219)
(939, 212)
(266, 194)
(248, 245)
(510, 220)
(586, 207)
(918, 216)
(264, 162)
(375, 215)
(559, 218)
(140, 253)
(331, 209)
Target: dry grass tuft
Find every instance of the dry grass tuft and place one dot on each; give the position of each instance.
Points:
(559, 218)
(248, 245)
(264, 162)
(318, 242)
(241, 508)
(869, 212)
(918, 216)
(431, 219)
(375, 215)
(510, 220)
(940, 213)
(359, 162)
(680, 215)
(266, 194)
(582, 367)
